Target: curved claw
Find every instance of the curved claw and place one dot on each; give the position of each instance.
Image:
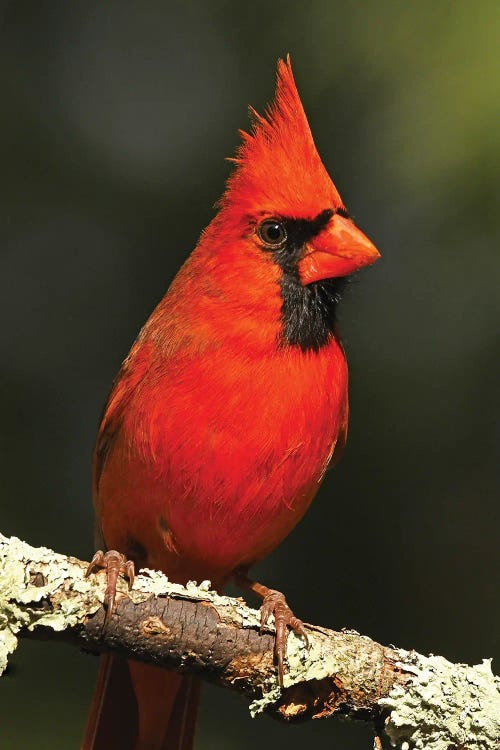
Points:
(274, 603)
(114, 563)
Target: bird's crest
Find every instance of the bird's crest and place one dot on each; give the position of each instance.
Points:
(278, 169)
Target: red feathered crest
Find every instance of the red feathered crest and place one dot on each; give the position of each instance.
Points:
(279, 170)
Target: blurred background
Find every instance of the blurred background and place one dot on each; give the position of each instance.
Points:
(115, 121)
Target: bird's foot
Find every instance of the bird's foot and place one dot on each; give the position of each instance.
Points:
(274, 603)
(114, 563)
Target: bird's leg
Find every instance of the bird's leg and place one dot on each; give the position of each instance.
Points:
(274, 603)
(114, 563)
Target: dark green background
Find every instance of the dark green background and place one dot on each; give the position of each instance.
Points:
(115, 118)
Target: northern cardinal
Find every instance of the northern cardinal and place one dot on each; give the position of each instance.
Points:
(229, 408)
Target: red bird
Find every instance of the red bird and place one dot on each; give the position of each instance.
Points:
(230, 406)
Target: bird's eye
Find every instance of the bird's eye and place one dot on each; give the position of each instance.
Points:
(272, 233)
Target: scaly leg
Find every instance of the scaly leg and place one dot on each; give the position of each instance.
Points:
(114, 563)
(274, 603)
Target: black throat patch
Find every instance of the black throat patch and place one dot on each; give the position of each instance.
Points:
(308, 311)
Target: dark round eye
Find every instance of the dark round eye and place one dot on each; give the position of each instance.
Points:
(272, 233)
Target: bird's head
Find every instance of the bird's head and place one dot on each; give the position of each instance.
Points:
(282, 245)
(282, 191)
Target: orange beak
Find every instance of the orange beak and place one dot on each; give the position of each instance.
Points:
(340, 249)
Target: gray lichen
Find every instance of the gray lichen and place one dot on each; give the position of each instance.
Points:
(31, 575)
(430, 703)
(444, 706)
(304, 665)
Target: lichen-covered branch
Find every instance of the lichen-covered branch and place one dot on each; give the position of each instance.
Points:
(413, 701)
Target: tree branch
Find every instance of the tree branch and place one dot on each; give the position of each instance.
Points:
(413, 701)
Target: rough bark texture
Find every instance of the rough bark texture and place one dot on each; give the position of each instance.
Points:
(413, 701)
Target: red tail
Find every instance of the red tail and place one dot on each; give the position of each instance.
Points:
(139, 707)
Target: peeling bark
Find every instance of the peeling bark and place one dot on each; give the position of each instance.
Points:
(413, 701)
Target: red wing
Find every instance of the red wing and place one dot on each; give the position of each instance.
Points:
(110, 424)
(342, 436)
(108, 430)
